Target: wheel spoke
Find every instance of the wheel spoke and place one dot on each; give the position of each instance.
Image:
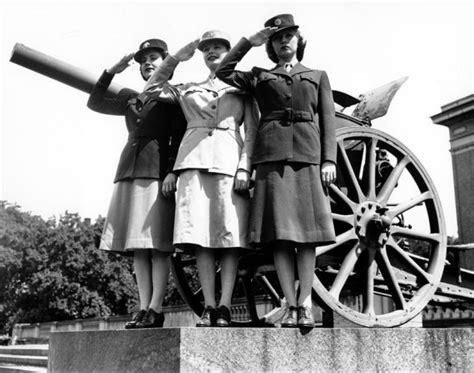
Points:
(417, 235)
(341, 239)
(402, 207)
(268, 287)
(390, 279)
(342, 197)
(409, 261)
(198, 292)
(371, 163)
(350, 170)
(344, 272)
(370, 280)
(349, 219)
(392, 181)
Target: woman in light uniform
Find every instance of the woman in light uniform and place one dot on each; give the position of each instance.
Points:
(212, 170)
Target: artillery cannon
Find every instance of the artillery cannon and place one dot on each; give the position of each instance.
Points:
(388, 261)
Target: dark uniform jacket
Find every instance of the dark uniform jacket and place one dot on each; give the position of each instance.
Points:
(155, 130)
(297, 121)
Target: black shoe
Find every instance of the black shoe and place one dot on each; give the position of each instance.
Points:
(137, 317)
(208, 317)
(222, 316)
(305, 317)
(151, 319)
(290, 319)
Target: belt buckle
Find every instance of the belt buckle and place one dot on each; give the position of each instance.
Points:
(289, 114)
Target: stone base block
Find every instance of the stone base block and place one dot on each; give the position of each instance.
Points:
(261, 350)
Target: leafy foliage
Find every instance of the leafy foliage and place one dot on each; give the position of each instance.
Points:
(52, 270)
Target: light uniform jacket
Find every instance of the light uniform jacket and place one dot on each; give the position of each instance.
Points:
(297, 110)
(214, 112)
(154, 129)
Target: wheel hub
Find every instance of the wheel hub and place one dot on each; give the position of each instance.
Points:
(372, 226)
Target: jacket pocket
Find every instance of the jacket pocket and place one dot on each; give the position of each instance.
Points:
(309, 77)
(266, 78)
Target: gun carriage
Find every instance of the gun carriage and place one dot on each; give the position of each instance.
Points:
(390, 258)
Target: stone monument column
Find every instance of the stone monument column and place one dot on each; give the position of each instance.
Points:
(458, 116)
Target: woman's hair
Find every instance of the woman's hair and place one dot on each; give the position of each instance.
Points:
(299, 50)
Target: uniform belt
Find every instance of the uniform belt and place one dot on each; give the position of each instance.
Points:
(211, 124)
(288, 115)
(137, 137)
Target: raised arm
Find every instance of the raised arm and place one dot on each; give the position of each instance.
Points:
(157, 86)
(226, 69)
(100, 101)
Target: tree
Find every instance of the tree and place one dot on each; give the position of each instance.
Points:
(52, 270)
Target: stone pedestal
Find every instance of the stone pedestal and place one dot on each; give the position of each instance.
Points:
(261, 350)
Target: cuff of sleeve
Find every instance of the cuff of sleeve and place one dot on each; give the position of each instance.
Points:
(169, 64)
(329, 159)
(170, 165)
(106, 78)
(243, 45)
(245, 164)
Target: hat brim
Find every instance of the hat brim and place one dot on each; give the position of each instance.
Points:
(283, 29)
(204, 42)
(138, 55)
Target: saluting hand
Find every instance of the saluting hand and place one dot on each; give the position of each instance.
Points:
(169, 185)
(328, 173)
(187, 51)
(262, 36)
(241, 181)
(122, 64)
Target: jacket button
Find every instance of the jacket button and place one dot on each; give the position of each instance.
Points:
(287, 96)
(211, 132)
(289, 82)
(134, 144)
(215, 94)
(213, 107)
(139, 120)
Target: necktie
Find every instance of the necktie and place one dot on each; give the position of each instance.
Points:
(288, 67)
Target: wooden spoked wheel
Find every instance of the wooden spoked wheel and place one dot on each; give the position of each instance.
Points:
(390, 249)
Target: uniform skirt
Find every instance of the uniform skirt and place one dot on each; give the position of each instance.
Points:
(209, 213)
(139, 217)
(290, 203)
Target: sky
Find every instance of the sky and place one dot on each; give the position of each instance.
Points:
(56, 155)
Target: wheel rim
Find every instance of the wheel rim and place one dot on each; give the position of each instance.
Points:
(374, 254)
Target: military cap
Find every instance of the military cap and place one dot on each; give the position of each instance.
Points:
(282, 22)
(148, 45)
(214, 35)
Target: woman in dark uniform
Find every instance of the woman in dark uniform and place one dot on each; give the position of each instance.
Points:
(294, 158)
(141, 212)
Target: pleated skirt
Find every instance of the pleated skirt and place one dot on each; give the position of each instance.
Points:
(209, 213)
(290, 203)
(139, 217)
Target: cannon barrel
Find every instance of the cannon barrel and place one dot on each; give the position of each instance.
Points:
(56, 69)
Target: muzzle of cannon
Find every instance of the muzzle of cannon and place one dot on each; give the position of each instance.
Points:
(56, 69)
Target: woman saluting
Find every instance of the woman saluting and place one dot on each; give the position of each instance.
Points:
(294, 157)
(141, 212)
(212, 170)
